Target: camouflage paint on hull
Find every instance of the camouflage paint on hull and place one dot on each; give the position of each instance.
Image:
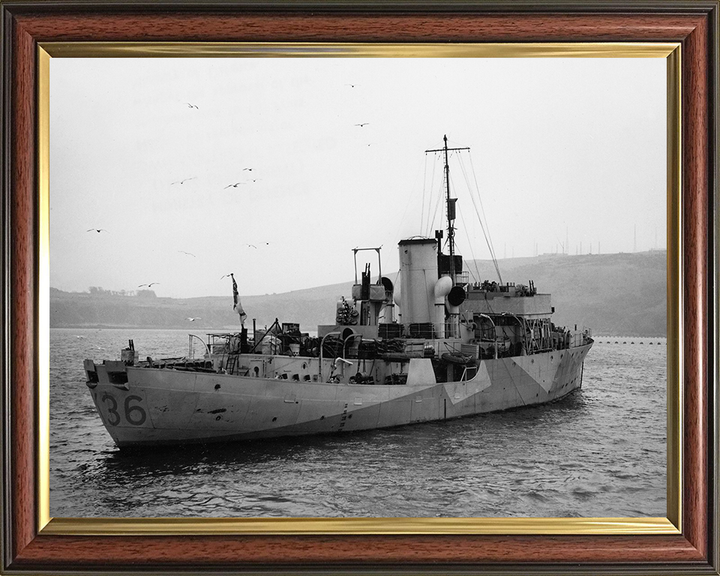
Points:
(161, 406)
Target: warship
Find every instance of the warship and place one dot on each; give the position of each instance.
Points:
(433, 345)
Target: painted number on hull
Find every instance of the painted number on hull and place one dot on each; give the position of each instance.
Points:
(113, 416)
(134, 414)
(138, 414)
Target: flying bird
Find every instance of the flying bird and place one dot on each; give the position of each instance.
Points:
(362, 124)
(226, 275)
(192, 106)
(98, 230)
(148, 285)
(233, 185)
(183, 181)
(248, 169)
(251, 246)
(186, 253)
(195, 318)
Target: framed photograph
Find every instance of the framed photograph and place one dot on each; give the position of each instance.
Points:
(223, 170)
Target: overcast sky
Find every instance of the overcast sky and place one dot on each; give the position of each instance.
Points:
(148, 150)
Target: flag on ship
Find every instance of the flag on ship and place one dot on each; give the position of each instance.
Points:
(236, 302)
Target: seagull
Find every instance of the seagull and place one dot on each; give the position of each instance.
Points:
(234, 185)
(251, 246)
(98, 230)
(248, 169)
(362, 124)
(148, 285)
(192, 106)
(183, 181)
(351, 85)
(187, 253)
(195, 318)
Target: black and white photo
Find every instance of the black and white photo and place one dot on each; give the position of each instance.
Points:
(358, 287)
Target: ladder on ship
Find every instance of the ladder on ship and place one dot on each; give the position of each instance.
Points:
(231, 363)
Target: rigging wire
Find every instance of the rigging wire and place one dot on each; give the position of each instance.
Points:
(467, 235)
(422, 206)
(480, 213)
(428, 224)
(410, 198)
(437, 204)
(450, 184)
(483, 226)
(482, 210)
(435, 213)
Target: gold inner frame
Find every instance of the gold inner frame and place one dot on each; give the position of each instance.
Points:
(287, 526)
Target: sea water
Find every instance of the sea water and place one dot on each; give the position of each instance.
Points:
(599, 452)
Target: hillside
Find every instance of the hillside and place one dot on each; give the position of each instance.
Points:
(81, 309)
(614, 294)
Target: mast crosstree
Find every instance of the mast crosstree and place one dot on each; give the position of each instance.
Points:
(450, 203)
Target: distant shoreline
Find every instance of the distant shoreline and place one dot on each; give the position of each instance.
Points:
(610, 294)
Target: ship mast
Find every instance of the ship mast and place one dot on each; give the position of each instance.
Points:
(450, 204)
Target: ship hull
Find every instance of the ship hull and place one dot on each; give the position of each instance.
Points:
(163, 406)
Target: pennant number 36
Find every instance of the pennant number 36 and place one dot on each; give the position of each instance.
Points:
(134, 414)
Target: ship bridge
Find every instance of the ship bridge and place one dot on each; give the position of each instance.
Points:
(516, 299)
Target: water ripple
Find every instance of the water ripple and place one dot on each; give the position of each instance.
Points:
(599, 452)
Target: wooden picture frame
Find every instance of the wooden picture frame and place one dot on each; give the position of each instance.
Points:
(28, 546)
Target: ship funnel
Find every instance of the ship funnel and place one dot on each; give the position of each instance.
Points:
(418, 275)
